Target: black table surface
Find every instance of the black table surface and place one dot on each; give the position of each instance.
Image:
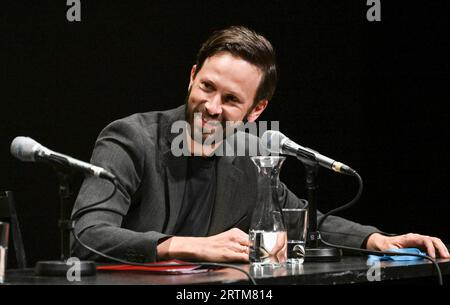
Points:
(351, 269)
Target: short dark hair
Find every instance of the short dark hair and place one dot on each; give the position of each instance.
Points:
(248, 45)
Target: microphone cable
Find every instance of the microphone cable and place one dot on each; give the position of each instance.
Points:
(77, 215)
(366, 251)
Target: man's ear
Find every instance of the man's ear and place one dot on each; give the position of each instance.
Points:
(193, 72)
(257, 110)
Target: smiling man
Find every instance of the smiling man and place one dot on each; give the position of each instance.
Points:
(198, 207)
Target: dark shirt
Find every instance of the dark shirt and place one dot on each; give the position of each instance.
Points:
(199, 197)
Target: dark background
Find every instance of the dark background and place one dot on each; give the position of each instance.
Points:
(372, 95)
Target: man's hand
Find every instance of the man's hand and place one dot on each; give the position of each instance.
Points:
(229, 246)
(380, 242)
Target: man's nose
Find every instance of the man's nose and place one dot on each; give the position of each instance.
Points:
(214, 105)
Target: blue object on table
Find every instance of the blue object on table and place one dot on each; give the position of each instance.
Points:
(399, 257)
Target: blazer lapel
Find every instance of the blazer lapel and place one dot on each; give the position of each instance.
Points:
(175, 169)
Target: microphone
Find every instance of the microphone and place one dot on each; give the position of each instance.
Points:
(28, 150)
(276, 142)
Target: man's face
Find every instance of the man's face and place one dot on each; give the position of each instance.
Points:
(223, 90)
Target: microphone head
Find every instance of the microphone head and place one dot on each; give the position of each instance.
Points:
(273, 141)
(24, 148)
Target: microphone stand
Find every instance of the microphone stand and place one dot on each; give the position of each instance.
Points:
(63, 267)
(315, 250)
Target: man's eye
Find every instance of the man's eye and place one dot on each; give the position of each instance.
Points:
(232, 98)
(206, 86)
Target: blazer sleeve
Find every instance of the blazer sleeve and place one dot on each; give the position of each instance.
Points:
(119, 148)
(336, 230)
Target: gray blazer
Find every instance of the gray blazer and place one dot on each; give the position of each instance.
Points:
(145, 208)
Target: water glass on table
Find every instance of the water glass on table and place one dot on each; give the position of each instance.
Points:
(296, 223)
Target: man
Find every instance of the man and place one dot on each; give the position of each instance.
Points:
(198, 207)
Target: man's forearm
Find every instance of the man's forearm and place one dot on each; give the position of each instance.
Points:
(178, 247)
(228, 246)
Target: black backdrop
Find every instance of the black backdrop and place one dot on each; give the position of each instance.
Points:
(370, 94)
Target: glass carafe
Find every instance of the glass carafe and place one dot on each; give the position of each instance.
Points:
(267, 233)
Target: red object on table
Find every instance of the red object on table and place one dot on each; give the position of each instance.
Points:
(173, 269)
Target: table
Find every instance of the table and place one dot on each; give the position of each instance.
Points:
(351, 269)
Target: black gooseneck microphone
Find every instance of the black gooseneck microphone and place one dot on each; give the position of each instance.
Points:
(276, 142)
(28, 150)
